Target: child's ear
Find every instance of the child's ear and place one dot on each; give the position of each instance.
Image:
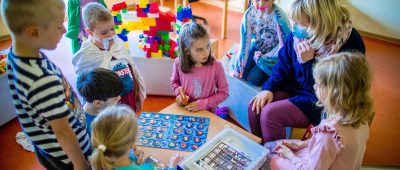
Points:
(89, 31)
(32, 31)
(97, 103)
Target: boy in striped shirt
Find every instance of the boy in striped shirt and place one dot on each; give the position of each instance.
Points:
(45, 105)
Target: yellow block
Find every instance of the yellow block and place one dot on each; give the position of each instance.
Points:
(114, 13)
(126, 45)
(158, 54)
(143, 3)
(148, 21)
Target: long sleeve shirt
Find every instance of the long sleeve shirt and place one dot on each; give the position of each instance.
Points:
(207, 84)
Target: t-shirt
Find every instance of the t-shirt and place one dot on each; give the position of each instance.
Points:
(89, 120)
(41, 94)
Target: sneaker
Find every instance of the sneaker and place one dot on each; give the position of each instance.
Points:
(24, 141)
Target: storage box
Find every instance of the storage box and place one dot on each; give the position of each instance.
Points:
(227, 150)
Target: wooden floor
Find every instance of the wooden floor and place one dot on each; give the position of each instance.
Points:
(382, 148)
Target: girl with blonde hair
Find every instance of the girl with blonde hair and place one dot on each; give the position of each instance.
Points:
(343, 85)
(114, 133)
(320, 28)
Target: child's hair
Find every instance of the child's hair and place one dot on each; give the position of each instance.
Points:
(345, 81)
(20, 14)
(325, 17)
(94, 13)
(189, 33)
(113, 134)
(99, 84)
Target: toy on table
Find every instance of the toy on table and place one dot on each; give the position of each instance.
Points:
(170, 131)
(3, 56)
(183, 95)
(227, 150)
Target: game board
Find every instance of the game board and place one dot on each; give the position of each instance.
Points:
(224, 157)
(170, 131)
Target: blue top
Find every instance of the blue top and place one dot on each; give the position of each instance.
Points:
(291, 76)
(89, 120)
(134, 166)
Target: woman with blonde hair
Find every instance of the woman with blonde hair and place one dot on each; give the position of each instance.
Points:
(343, 85)
(320, 28)
(114, 133)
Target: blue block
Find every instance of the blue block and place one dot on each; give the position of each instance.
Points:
(124, 32)
(123, 37)
(179, 16)
(147, 9)
(158, 39)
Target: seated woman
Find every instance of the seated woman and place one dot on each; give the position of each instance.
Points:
(263, 32)
(288, 99)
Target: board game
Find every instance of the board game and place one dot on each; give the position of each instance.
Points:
(170, 131)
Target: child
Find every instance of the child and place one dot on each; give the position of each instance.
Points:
(114, 134)
(46, 112)
(321, 28)
(104, 49)
(263, 32)
(196, 70)
(343, 84)
(100, 88)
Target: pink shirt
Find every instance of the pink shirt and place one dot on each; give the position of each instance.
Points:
(332, 146)
(207, 84)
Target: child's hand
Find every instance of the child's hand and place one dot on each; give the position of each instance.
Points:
(295, 145)
(175, 159)
(305, 51)
(180, 101)
(284, 151)
(139, 154)
(193, 107)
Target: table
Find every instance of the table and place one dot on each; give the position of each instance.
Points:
(216, 125)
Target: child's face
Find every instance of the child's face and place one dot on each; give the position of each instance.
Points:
(48, 37)
(200, 51)
(101, 31)
(263, 4)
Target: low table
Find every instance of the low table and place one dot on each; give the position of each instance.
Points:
(216, 125)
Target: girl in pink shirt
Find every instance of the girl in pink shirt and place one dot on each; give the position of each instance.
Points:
(197, 72)
(343, 84)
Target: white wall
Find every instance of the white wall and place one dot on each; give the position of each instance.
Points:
(372, 16)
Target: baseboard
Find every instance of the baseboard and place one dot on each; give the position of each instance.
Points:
(5, 37)
(379, 37)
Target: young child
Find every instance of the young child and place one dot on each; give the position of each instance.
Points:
(113, 135)
(343, 84)
(263, 32)
(100, 88)
(201, 76)
(321, 28)
(104, 49)
(46, 112)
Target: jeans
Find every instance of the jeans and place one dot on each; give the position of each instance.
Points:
(252, 73)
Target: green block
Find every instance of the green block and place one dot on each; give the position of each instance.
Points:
(179, 8)
(116, 27)
(119, 18)
(125, 10)
(166, 47)
(160, 47)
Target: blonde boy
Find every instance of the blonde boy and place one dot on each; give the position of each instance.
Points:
(103, 49)
(37, 85)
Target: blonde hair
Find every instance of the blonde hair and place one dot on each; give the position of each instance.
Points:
(325, 17)
(20, 14)
(345, 79)
(115, 128)
(94, 13)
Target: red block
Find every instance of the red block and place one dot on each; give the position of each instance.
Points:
(154, 7)
(119, 6)
(140, 12)
(148, 54)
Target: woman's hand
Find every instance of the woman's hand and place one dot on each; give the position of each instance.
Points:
(193, 107)
(175, 159)
(305, 51)
(260, 100)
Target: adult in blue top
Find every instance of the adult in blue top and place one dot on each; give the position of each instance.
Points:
(321, 28)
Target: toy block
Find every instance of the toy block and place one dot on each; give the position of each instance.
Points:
(114, 13)
(151, 15)
(129, 16)
(158, 54)
(123, 37)
(124, 10)
(148, 54)
(154, 7)
(119, 6)
(141, 13)
(116, 27)
(124, 32)
(119, 18)
(126, 44)
(148, 21)
(143, 3)
(147, 9)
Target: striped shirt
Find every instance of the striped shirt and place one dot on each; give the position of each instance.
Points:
(40, 95)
